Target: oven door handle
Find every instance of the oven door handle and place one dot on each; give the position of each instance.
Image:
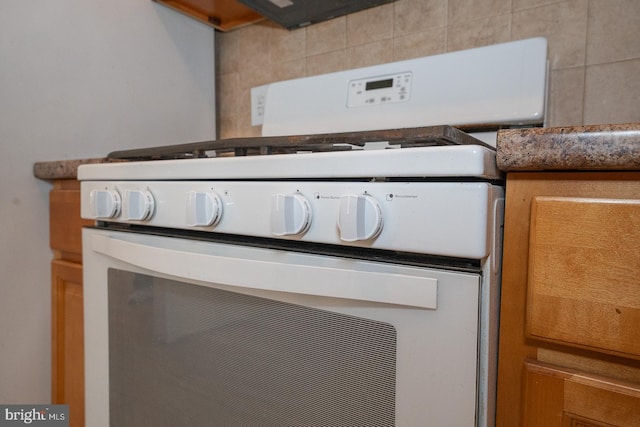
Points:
(382, 287)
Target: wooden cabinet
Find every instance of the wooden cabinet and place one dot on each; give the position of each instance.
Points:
(68, 338)
(65, 231)
(570, 312)
(556, 396)
(223, 15)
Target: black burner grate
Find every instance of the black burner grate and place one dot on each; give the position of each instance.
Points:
(406, 137)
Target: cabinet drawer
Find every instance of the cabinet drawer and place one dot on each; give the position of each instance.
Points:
(584, 273)
(557, 397)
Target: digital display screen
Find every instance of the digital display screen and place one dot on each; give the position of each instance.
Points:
(379, 84)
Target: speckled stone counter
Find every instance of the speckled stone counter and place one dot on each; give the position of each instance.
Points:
(61, 169)
(597, 147)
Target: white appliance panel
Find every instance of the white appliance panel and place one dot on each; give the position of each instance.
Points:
(448, 219)
(498, 84)
(437, 353)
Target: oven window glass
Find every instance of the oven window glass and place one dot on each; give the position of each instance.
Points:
(181, 354)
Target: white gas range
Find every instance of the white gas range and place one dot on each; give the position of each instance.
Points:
(342, 270)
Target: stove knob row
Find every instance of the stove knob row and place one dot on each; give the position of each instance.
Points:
(359, 217)
(134, 205)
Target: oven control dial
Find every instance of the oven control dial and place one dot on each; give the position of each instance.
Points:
(360, 218)
(204, 209)
(104, 203)
(139, 205)
(290, 214)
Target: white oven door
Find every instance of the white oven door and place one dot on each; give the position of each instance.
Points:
(193, 333)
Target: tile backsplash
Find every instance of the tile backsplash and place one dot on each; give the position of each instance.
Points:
(594, 51)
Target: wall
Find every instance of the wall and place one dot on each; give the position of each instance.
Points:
(594, 51)
(80, 78)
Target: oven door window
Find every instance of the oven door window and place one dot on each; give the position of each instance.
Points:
(183, 354)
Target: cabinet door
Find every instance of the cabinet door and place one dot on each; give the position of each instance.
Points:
(68, 339)
(584, 265)
(575, 267)
(563, 398)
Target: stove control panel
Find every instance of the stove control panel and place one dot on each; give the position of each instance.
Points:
(379, 90)
(439, 218)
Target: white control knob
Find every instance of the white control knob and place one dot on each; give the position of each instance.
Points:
(139, 205)
(360, 218)
(104, 203)
(290, 214)
(204, 208)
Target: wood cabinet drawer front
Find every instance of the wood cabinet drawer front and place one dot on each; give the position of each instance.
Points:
(555, 397)
(584, 273)
(65, 225)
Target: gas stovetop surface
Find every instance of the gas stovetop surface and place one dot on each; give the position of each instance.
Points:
(436, 152)
(394, 138)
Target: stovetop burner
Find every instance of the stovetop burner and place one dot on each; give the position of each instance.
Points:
(396, 138)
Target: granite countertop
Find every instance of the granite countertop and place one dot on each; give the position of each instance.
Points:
(595, 147)
(62, 169)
